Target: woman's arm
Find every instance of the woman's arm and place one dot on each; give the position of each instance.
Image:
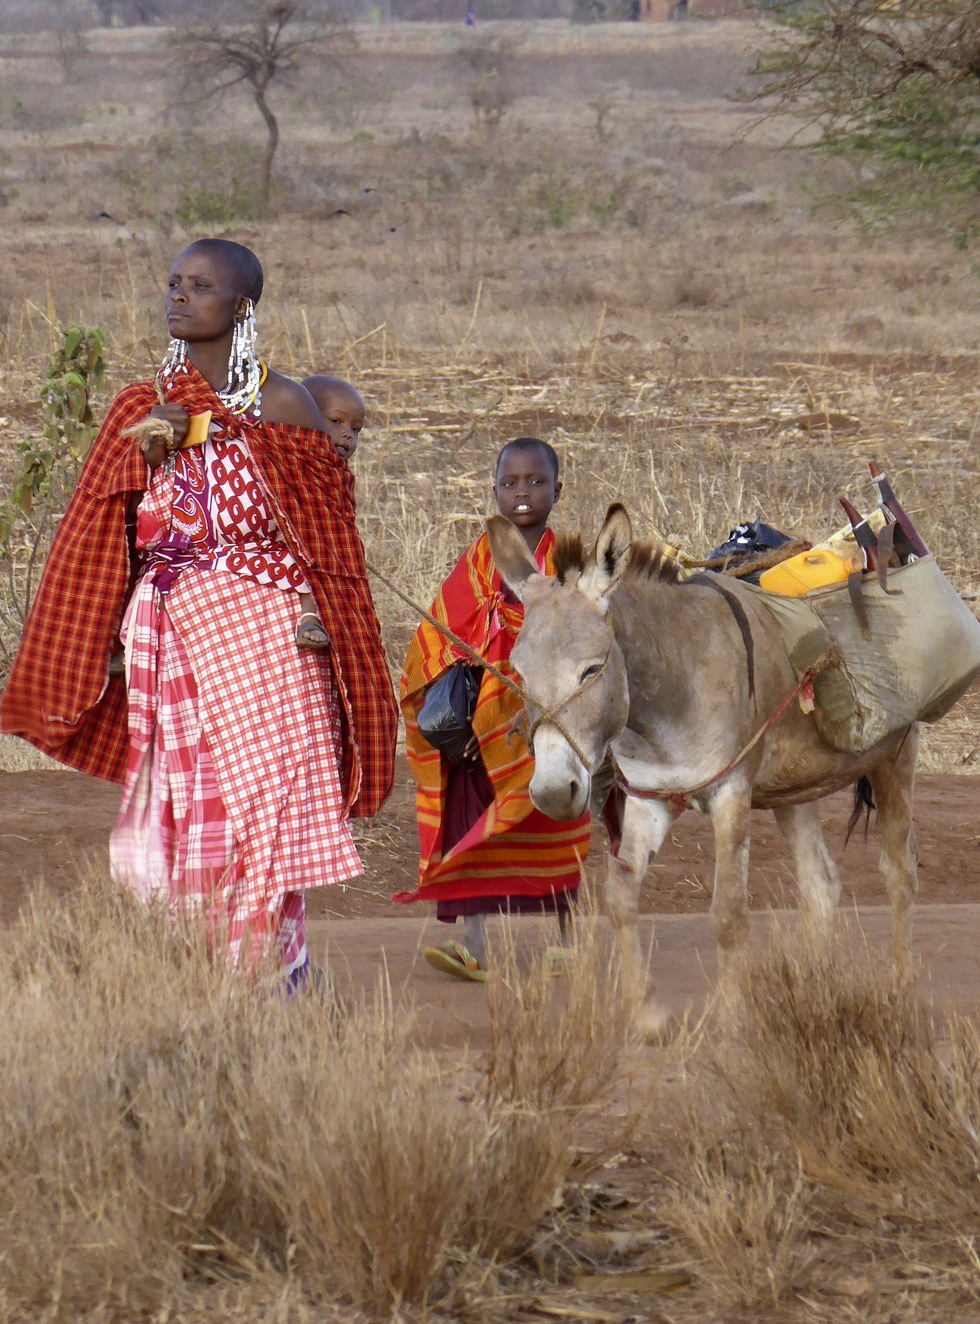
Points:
(286, 401)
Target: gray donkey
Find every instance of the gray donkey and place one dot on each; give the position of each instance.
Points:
(674, 678)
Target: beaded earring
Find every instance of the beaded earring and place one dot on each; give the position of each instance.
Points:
(243, 391)
(175, 360)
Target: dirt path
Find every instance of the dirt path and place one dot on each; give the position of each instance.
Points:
(52, 821)
(453, 1012)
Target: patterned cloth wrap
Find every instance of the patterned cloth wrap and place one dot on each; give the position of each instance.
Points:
(241, 755)
(60, 698)
(513, 849)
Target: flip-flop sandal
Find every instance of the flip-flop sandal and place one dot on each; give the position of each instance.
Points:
(454, 959)
(319, 645)
(558, 959)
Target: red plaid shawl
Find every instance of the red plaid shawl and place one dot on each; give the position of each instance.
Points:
(59, 696)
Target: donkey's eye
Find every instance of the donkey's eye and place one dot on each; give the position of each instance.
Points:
(589, 672)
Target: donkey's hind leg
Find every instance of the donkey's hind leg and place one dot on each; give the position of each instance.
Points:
(891, 782)
(816, 873)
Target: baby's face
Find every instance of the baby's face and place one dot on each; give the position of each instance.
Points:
(343, 412)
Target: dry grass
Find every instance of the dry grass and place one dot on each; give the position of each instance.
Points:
(185, 1135)
(572, 1069)
(190, 1145)
(18, 756)
(827, 1135)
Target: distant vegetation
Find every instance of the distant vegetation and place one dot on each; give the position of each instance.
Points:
(29, 15)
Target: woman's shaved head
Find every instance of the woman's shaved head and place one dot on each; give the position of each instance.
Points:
(241, 261)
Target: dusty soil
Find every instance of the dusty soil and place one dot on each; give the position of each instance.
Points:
(51, 822)
(54, 826)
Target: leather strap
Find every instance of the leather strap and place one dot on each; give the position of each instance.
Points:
(738, 611)
(855, 591)
(887, 556)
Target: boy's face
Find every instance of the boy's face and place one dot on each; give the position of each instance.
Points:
(343, 413)
(526, 488)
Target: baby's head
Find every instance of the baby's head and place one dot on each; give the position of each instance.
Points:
(342, 409)
(527, 485)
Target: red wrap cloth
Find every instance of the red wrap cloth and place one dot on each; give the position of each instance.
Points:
(60, 697)
(512, 849)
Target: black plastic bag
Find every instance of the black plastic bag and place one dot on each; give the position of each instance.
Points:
(445, 718)
(747, 540)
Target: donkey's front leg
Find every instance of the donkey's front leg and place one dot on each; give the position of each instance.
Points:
(645, 824)
(729, 810)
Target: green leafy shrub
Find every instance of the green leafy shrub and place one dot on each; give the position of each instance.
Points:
(48, 470)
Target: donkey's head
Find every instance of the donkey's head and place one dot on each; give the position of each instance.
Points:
(568, 658)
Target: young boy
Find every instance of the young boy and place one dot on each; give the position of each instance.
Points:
(484, 848)
(343, 409)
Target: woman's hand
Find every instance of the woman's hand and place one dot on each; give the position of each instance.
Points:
(472, 751)
(155, 450)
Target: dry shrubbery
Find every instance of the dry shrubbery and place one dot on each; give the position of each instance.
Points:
(181, 1142)
(175, 1135)
(571, 1066)
(828, 1138)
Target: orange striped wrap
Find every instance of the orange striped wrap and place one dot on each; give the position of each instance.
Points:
(513, 849)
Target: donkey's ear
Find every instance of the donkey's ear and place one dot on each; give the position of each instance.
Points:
(610, 556)
(510, 554)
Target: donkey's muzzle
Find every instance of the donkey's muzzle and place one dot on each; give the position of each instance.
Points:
(562, 803)
(560, 785)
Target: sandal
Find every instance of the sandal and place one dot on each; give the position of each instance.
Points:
(313, 636)
(455, 959)
(558, 959)
(117, 664)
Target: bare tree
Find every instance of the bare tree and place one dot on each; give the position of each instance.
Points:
(68, 28)
(486, 67)
(252, 44)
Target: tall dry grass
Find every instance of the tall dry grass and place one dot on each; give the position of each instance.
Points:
(827, 1139)
(175, 1134)
(614, 296)
(571, 1067)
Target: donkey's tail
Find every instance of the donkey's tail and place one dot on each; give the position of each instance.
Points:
(864, 803)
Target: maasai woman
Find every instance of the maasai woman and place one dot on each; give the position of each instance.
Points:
(242, 757)
(484, 847)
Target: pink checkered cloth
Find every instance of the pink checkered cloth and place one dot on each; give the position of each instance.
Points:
(233, 802)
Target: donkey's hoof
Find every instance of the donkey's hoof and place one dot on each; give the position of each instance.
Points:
(655, 1023)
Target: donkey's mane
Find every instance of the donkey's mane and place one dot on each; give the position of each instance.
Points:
(647, 560)
(569, 554)
(652, 560)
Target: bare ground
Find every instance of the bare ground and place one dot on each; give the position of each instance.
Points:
(51, 820)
